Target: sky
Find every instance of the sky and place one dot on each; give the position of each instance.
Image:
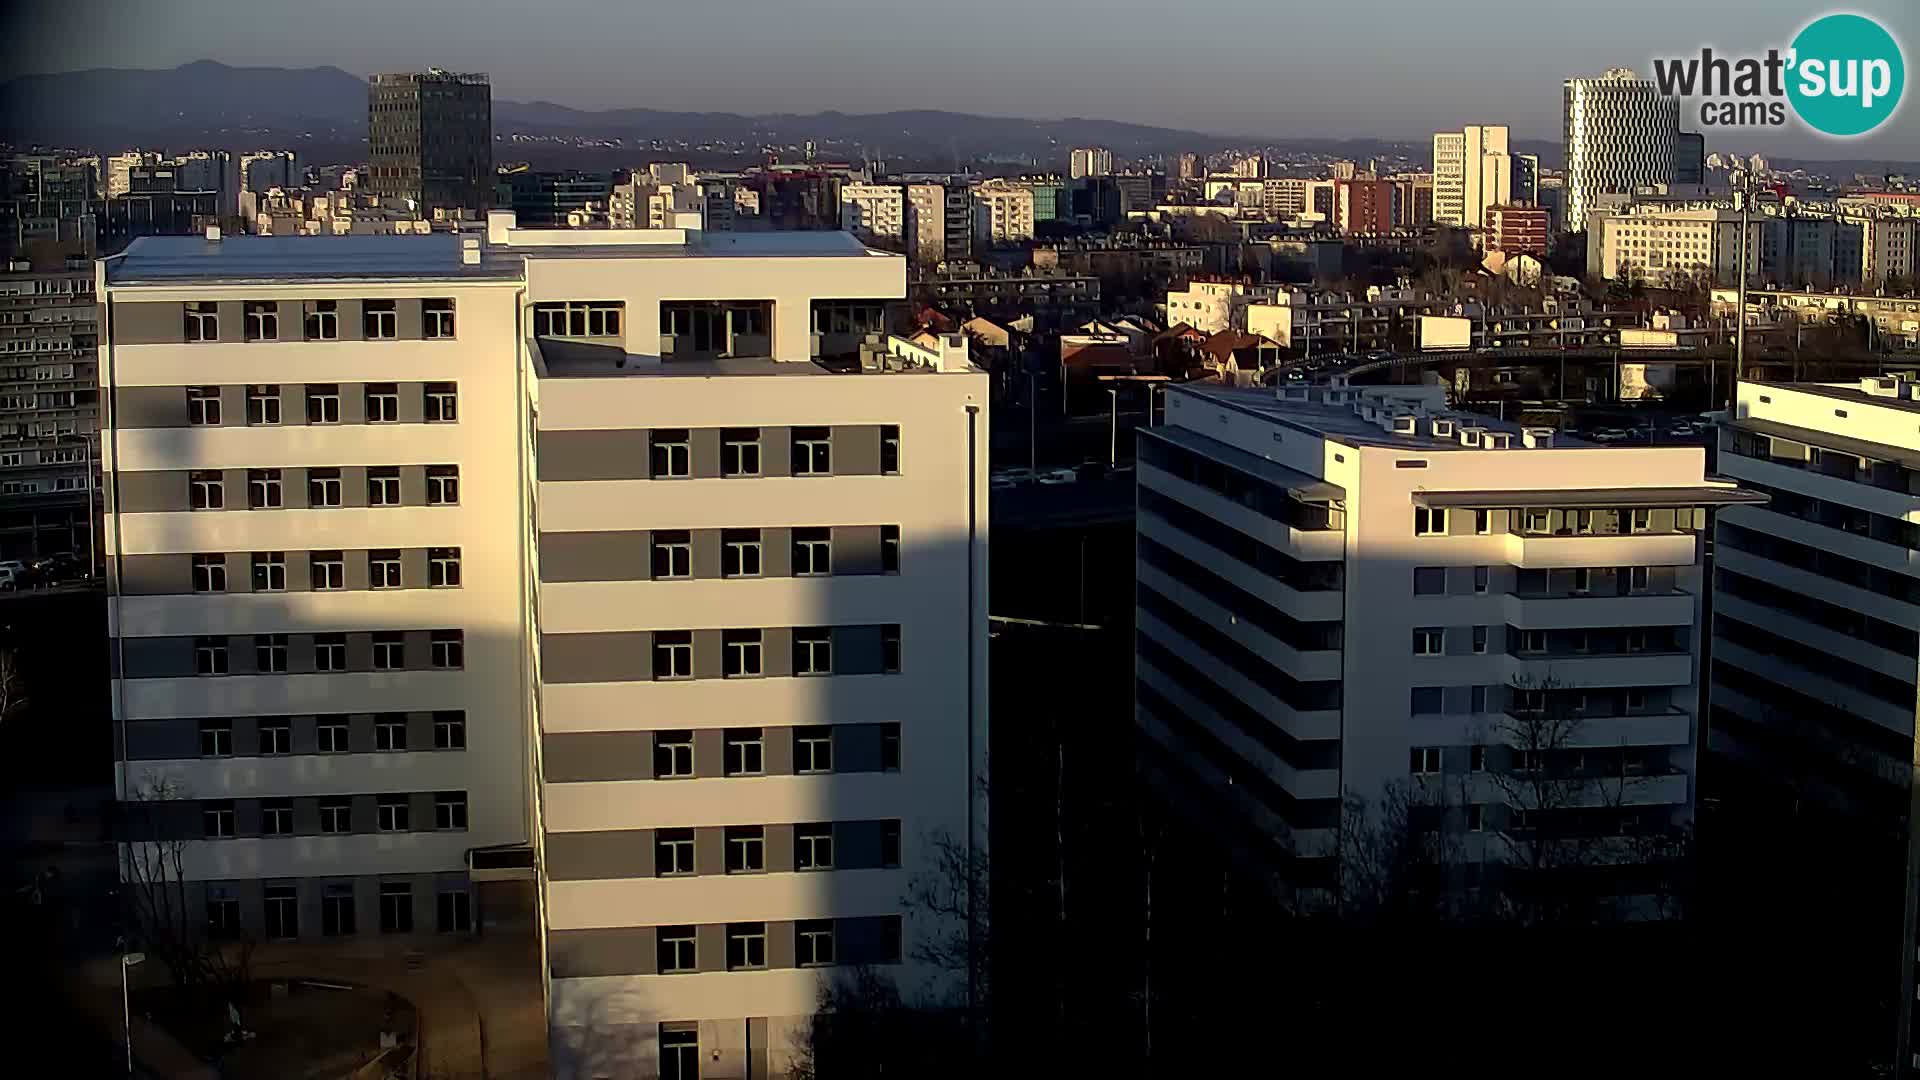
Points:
(1375, 68)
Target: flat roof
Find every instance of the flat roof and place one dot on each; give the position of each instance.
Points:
(1827, 440)
(1342, 424)
(1710, 494)
(1840, 392)
(1303, 486)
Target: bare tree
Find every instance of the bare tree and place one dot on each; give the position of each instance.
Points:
(13, 684)
(1403, 855)
(160, 905)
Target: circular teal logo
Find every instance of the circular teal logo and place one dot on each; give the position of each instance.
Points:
(1848, 75)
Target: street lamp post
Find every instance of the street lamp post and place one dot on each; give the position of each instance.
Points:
(1113, 431)
(127, 960)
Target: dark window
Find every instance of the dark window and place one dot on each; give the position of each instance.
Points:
(812, 552)
(209, 573)
(672, 453)
(323, 488)
(276, 735)
(746, 946)
(449, 731)
(813, 749)
(383, 486)
(390, 813)
(269, 571)
(396, 907)
(282, 911)
(672, 754)
(383, 403)
(329, 570)
(740, 653)
(270, 654)
(889, 549)
(890, 747)
(203, 321)
(436, 318)
(812, 451)
(206, 491)
(745, 752)
(672, 852)
(216, 738)
(672, 554)
(323, 403)
(218, 819)
(337, 911)
(448, 649)
(323, 320)
(389, 650)
(383, 568)
(673, 654)
(677, 951)
(443, 568)
(330, 734)
(813, 847)
(263, 489)
(263, 405)
(210, 656)
(443, 485)
(450, 810)
(889, 448)
(890, 843)
(890, 647)
(454, 911)
(442, 403)
(813, 942)
(740, 452)
(203, 406)
(740, 552)
(379, 320)
(679, 1045)
(812, 650)
(223, 912)
(746, 849)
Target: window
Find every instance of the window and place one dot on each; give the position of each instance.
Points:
(1479, 640)
(1533, 641)
(269, 571)
(447, 649)
(336, 911)
(1429, 641)
(323, 488)
(323, 320)
(890, 648)
(1429, 521)
(210, 656)
(740, 553)
(282, 911)
(390, 732)
(679, 1049)
(217, 817)
(443, 568)
(1639, 578)
(209, 573)
(1482, 522)
(812, 651)
(1429, 580)
(454, 912)
(389, 650)
(813, 847)
(1477, 758)
(263, 321)
(383, 403)
(390, 813)
(671, 453)
(1427, 699)
(1526, 761)
(206, 491)
(203, 406)
(330, 734)
(677, 950)
(1636, 641)
(383, 568)
(813, 749)
(449, 731)
(673, 852)
(673, 654)
(578, 319)
(746, 946)
(270, 654)
(263, 489)
(442, 402)
(740, 452)
(203, 322)
(890, 844)
(1425, 760)
(1636, 699)
(740, 653)
(672, 754)
(889, 549)
(812, 552)
(436, 318)
(450, 810)
(672, 554)
(323, 403)
(1536, 521)
(1640, 521)
(216, 738)
(889, 747)
(1582, 641)
(329, 571)
(1482, 578)
(379, 320)
(1476, 817)
(443, 485)
(746, 849)
(1582, 580)
(396, 907)
(890, 448)
(223, 912)
(813, 942)
(383, 486)
(812, 451)
(745, 752)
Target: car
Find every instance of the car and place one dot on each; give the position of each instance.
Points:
(1608, 435)
(15, 566)
(1013, 475)
(7, 578)
(1379, 354)
(1058, 476)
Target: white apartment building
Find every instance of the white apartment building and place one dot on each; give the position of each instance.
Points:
(1283, 196)
(1620, 135)
(1087, 161)
(1213, 306)
(610, 555)
(1343, 589)
(1664, 245)
(874, 212)
(925, 223)
(1888, 247)
(1002, 212)
(1474, 168)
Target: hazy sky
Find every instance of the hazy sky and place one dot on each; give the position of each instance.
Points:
(1387, 68)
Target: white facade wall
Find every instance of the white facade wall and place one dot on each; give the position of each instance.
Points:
(873, 211)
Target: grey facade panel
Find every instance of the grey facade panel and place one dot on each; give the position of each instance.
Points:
(156, 492)
(779, 849)
(593, 556)
(413, 403)
(232, 320)
(856, 450)
(776, 651)
(157, 657)
(780, 945)
(599, 856)
(353, 403)
(408, 320)
(776, 552)
(413, 485)
(293, 319)
(149, 324)
(856, 845)
(856, 549)
(156, 575)
(857, 651)
(574, 954)
(709, 753)
(419, 650)
(776, 451)
(163, 740)
(306, 811)
(571, 757)
(360, 649)
(587, 658)
(350, 319)
(710, 947)
(366, 813)
(151, 407)
(856, 748)
(707, 662)
(706, 553)
(709, 851)
(593, 455)
(704, 452)
(413, 568)
(353, 485)
(777, 748)
(233, 406)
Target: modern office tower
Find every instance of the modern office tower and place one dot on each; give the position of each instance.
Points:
(1344, 592)
(1816, 602)
(629, 564)
(1473, 168)
(874, 212)
(430, 139)
(49, 409)
(1089, 161)
(549, 199)
(1620, 134)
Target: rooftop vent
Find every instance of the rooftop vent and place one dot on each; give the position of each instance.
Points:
(1497, 440)
(1878, 386)
(1471, 436)
(1440, 428)
(1537, 438)
(213, 234)
(470, 251)
(1401, 423)
(1290, 392)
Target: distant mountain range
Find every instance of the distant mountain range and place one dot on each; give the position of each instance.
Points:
(323, 111)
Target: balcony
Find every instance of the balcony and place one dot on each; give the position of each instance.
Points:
(1572, 611)
(1543, 552)
(1667, 726)
(1578, 670)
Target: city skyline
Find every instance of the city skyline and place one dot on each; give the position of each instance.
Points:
(1447, 70)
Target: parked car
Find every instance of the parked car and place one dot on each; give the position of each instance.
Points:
(7, 578)
(1059, 476)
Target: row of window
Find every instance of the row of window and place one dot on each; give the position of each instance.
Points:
(746, 945)
(1294, 573)
(1845, 518)
(1432, 700)
(1260, 496)
(1283, 627)
(1834, 617)
(439, 401)
(446, 650)
(329, 570)
(207, 488)
(1825, 563)
(1295, 693)
(670, 452)
(811, 551)
(338, 914)
(1432, 641)
(1559, 762)
(1841, 464)
(1894, 691)
(1538, 521)
(745, 849)
(744, 751)
(332, 734)
(320, 320)
(742, 653)
(219, 818)
(1432, 580)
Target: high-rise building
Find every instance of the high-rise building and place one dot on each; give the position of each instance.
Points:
(430, 139)
(49, 407)
(1002, 213)
(1620, 134)
(1350, 593)
(1413, 200)
(1190, 167)
(546, 199)
(874, 212)
(117, 167)
(1363, 206)
(1284, 196)
(1474, 168)
(1666, 245)
(1519, 230)
(268, 169)
(926, 223)
(756, 595)
(1089, 161)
